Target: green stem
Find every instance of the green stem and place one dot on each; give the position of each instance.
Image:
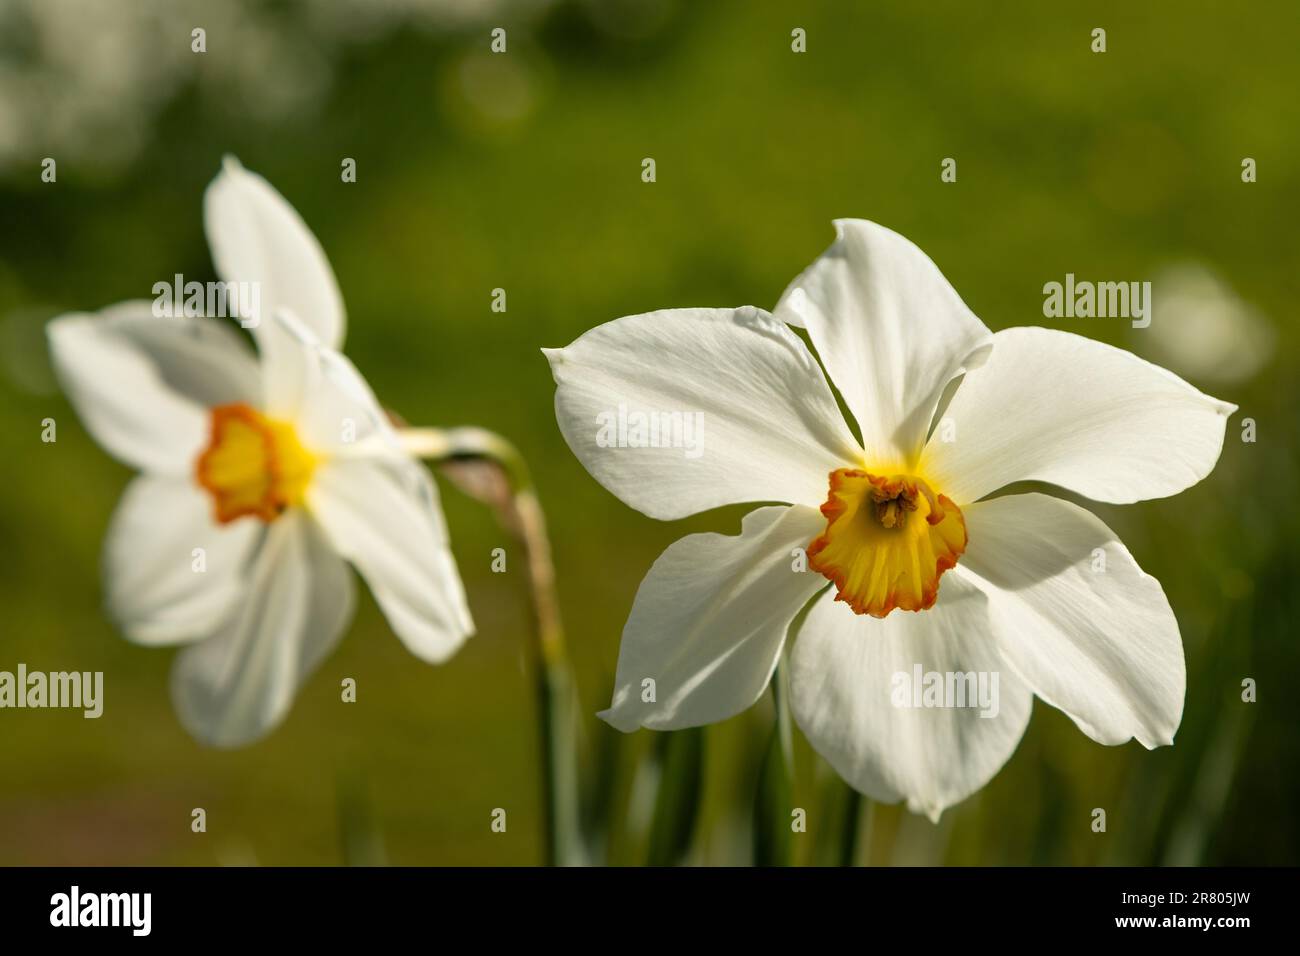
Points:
(850, 825)
(773, 836)
(680, 756)
(781, 703)
(526, 520)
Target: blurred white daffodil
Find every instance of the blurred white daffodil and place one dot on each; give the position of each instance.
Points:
(262, 476)
(1202, 327)
(930, 573)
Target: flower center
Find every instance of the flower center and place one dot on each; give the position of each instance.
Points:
(253, 465)
(887, 541)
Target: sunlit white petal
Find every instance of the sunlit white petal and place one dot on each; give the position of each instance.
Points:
(170, 571)
(709, 622)
(141, 384)
(235, 686)
(1060, 408)
(843, 689)
(765, 426)
(384, 517)
(1079, 620)
(257, 237)
(320, 389)
(891, 331)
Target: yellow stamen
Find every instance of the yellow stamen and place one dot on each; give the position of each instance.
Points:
(887, 541)
(253, 465)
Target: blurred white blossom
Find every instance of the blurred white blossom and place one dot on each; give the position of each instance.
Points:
(1201, 328)
(88, 78)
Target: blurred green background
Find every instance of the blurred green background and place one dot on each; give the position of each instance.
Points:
(522, 171)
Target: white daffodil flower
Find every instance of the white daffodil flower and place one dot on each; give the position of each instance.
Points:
(930, 573)
(263, 474)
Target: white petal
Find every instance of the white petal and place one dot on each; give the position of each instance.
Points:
(709, 621)
(844, 689)
(257, 237)
(287, 349)
(235, 686)
(142, 385)
(1078, 619)
(320, 390)
(155, 593)
(1060, 408)
(384, 517)
(755, 419)
(890, 330)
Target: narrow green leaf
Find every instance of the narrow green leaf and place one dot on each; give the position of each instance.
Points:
(773, 835)
(773, 830)
(359, 836)
(680, 756)
(850, 824)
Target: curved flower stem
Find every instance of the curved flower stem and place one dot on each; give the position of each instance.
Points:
(521, 512)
